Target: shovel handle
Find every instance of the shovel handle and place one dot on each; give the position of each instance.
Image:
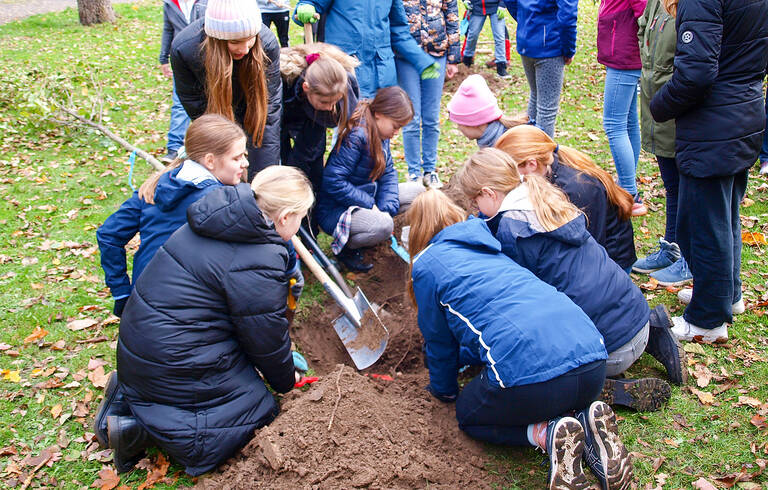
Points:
(309, 38)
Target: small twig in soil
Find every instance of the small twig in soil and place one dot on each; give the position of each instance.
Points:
(407, 351)
(338, 397)
(31, 476)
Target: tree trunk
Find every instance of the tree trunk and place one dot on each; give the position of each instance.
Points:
(95, 11)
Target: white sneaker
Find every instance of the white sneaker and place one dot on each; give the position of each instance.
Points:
(432, 180)
(687, 331)
(764, 167)
(414, 177)
(685, 295)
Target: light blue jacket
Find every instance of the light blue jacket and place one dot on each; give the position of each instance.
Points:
(473, 298)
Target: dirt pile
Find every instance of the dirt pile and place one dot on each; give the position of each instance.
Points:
(384, 432)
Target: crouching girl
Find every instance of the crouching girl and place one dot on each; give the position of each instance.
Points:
(542, 231)
(204, 319)
(541, 362)
(360, 192)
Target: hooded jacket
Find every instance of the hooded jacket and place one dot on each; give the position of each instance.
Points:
(569, 259)
(472, 297)
(347, 182)
(208, 312)
(545, 28)
(603, 222)
(174, 22)
(155, 223)
(715, 93)
(189, 76)
(373, 31)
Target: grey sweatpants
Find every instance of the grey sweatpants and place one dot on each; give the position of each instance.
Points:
(370, 227)
(619, 360)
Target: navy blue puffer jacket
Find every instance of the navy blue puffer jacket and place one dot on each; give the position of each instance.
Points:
(569, 259)
(715, 93)
(347, 182)
(207, 312)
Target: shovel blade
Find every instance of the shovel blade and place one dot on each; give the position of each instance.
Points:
(366, 344)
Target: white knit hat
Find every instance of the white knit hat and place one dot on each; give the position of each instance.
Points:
(232, 19)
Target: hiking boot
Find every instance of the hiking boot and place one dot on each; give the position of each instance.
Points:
(666, 255)
(169, 157)
(638, 208)
(604, 452)
(565, 445)
(501, 70)
(128, 439)
(644, 394)
(353, 260)
(685, 295)
(688, 331)
(664, 346)
(676, 274)
(113, 403)
(432, 180)
(468, 60)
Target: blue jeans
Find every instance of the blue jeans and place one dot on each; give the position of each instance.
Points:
(621, 124)
(476, 23)
(764, 150)
(179, 123)
(545, 80)
(420, 136)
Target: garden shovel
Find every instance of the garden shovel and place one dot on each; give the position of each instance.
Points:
(325, 263)
(359, 327)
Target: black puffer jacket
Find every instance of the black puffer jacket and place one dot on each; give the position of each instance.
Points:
(207, 312)
(189, 77)
(715, 93)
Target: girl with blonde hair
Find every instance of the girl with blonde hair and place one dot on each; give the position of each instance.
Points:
(542, 231)
(320, 91)
(540, 364)
(204, 330)
(215, 156)
(229, 63)
(607, 206)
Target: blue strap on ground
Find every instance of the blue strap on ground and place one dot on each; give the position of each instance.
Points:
(399, 250)
(132, 161)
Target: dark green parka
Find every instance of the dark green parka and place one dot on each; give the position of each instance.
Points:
(657, 38)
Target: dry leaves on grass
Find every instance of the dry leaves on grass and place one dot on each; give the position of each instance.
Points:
(107, 480)
(156, 470)
(705, 398)
(703, 484)
(742, 478)
(97, 377)
(81, 324)
(37, 334)
(753, 238)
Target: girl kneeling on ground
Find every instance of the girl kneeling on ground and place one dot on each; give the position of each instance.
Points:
(542, 231)
(215, 155)
(607, 206)
(540, 362)
(360, 192)
(204, 323)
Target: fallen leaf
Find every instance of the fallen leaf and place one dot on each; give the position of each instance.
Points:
(81, 324)
(56, 410)
(747, 202)
(703, 484)
(94, 363)
(107, 480)
(694, 348)
(11, 375)
(759, 422)
(156, 472)
(749, 401)
(98, 378)
(704, 397)
(650, 285)
(752, 238)
(36, 335)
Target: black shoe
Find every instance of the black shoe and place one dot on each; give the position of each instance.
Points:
(468, 60)
(352, 259)
(644, 395)
(113, 403)
(501, 70)
(128, 439)
(664, 346)
(169, 157)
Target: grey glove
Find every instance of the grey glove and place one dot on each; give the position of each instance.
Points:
(299, 286)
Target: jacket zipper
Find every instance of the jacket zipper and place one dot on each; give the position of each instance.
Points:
(613, 38)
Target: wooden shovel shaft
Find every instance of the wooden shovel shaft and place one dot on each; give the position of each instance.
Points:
(309, 38)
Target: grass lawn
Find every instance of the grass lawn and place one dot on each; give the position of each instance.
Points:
(59, 182)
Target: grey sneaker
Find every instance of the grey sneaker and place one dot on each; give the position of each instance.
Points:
(604, 452)
(565, 444)
(666, 255)
(676, 274)
(432, 180)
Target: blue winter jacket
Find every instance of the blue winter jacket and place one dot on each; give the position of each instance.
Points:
(545, 28)
(347, 182)
(569, 259)
(372, 31)
(484, 7)
(204, 324)
(715, 94)
(471, 296)
(155, 223)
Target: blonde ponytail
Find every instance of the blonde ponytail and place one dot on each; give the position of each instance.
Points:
(282, 190)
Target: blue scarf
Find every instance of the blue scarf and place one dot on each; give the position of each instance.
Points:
(493, 132)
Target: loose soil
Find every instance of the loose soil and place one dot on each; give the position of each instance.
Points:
(351, 429)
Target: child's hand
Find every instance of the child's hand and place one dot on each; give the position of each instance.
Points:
(451, 71)
(306, 13)
(166, 69)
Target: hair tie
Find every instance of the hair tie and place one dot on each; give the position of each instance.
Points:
(311, 58)
(557, 147)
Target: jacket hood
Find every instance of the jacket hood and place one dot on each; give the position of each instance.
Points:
(172, 190)
(472, 233)
(230, 213)
(572, 233)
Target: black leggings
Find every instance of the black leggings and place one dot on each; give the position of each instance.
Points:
(501, 415)
(281, 21)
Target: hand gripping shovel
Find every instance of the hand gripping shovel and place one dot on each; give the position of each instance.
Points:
(359, 328)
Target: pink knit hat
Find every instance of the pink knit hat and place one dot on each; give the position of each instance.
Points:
(473, 104)
(232, 19)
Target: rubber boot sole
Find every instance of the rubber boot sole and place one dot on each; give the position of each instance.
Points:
(644, 395)
(565, 471)
(101, 412)
(613, 453)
